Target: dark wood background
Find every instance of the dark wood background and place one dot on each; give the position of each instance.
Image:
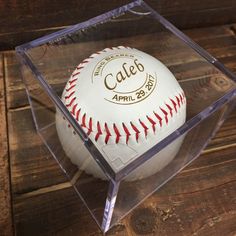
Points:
(200, 200)
(24, 20)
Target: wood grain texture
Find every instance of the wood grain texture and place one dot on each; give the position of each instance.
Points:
(198, 201)
(23, 21)
(205, 208)
(5, 196)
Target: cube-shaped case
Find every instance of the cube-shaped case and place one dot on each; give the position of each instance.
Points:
(209, 87)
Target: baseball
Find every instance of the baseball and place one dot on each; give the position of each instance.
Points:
(126, 101)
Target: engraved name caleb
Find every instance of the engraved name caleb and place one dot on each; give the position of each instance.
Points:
(126, 72)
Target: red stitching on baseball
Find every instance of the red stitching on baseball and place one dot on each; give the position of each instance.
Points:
(71, 102)
(79, 67)
(90, 128)
(74, 109)
(117, 133)
(77, 115)
(170, 109)
(144, 127)
(174, 104)
(159, 118)
(66, 97)
(136, 131)
(153, 123)
(77, 73)
(71, 87)
(99, 131)
(178, 101)
(127, 132)
(165, 114)
(72, 81)
(108, 133)
(83, 124)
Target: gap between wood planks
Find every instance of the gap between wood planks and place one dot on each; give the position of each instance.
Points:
(65, 185)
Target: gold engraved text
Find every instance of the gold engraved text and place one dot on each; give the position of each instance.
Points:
(126, 72)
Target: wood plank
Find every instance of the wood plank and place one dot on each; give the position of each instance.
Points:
(202, 18)
(23, 21)
(172, 7)
(6, 227)
(198, 201)
(60, 203)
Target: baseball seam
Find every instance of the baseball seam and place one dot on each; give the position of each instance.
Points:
(163, 115)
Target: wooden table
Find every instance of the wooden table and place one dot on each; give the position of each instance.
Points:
(37, 199)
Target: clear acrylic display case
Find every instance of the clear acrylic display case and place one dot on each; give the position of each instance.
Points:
(210, 90)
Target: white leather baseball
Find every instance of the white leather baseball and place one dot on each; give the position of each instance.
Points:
(126, 101)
